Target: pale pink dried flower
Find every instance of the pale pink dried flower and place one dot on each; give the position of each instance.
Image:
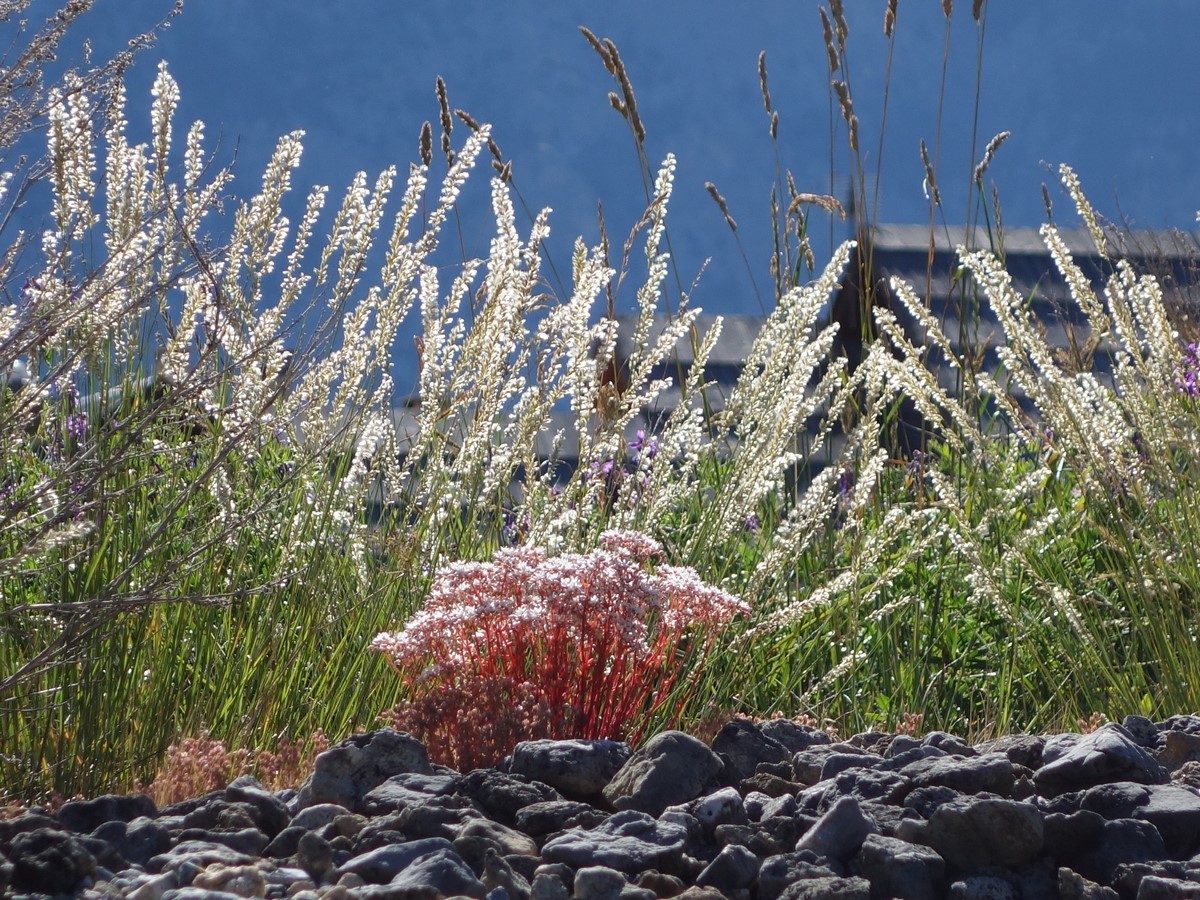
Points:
(574, 645)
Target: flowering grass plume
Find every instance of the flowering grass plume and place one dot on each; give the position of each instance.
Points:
(576, 645)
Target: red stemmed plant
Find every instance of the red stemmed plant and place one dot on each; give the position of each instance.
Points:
(530, 645)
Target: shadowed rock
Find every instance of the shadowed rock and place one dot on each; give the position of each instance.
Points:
(672, 768)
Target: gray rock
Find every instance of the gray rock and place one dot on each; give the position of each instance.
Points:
(1178, 748)
(862, 784)
(1073, 886)
(502, 795)
(248, 841)
(628, 841)
(84, 816)
(777, 872)
(836, 763)
(723, 807)
(696, 839)
(894, 762)
(992, 773)
(1153, 887)
(314, 856)
(899, 869)
(443, 871)
(733, 869)
(498, 873)
(196, 893)
(1067, 835)
(671, 768)
(598, 883)
(949, 743)
(381, 865)
(269, 813)
(343, 774)
(1120, 841)
(439, 817)
(783, 805)
(840, 832)
(510, 840)
(198, 854)
(1186, 724)
(925, 800)
(546, 886)
(808, 766)
(829, 888)
(318, 816)
(1175, 811)
(1171, 808)
(705, 893)
(1142, 731)
(902, 743)
(1129, 876)
(1021, 749)
(136, 841)
(984, 887)
(742, 745)
(539, 819)
(285, 844)
(576, 768)
(49, 861)
(107, 859)
(1106, 755)
(972, 834)
(794, 736)
(407, 789)
(753, 803)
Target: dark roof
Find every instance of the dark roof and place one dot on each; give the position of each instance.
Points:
(737, 337)
(903, 251)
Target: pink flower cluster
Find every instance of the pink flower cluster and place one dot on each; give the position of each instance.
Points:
(576, 645)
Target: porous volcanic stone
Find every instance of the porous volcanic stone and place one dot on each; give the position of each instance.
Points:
(742, 746)
(972, 834)
(671, 768)
(576, 768)
(344, 773)
(1106, 755)
(629, 841)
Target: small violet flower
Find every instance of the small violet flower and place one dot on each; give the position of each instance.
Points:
(1186, 376)
(643, 447)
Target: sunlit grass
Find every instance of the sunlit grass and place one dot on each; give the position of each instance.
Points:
(209, 558)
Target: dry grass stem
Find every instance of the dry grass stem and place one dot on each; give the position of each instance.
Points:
(721, 204)
(988, 153)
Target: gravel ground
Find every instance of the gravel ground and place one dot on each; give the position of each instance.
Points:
(766, 810)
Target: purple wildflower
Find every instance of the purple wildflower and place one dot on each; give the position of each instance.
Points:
(77, 425)
(643, 446)
(1186, 375)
